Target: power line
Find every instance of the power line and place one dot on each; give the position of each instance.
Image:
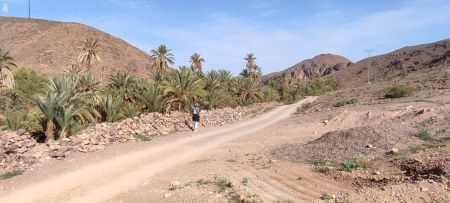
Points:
(369, 51)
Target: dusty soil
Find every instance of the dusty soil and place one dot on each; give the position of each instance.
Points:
(237, 162)
(144, 171)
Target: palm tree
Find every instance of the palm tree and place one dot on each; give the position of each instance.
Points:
(196, 62)
(150, 95)
(247, 90)
(250, 61)
(162, 58)
(124, 85)
(89, 56)
(256, 73)
(64, 107)
(245, 73)
(6, 63)
(110, 108)
(182, 88)
(224, 75)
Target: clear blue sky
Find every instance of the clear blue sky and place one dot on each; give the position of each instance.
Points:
(280, 32)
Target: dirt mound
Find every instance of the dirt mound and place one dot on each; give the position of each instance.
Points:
(353, 143)
(49, 47)
(321, 65)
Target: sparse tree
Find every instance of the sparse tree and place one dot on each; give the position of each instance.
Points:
(161, 58)
(250, 61)
(196, 62)
(89, 55)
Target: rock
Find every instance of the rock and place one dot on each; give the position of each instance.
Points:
(175, 184)
(167, 195)
(21, 131)
(31, 144)
(424, 189)
(370, 146)
(57, 155)
(38, 154)
(22, 150)
(393, 151)
(326, 122)
(422, 111)
(82, 150)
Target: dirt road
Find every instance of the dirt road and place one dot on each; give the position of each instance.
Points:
(105, 179)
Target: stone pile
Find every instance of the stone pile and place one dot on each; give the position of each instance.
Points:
(18, 150)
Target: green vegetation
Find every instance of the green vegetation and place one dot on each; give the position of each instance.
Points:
(325, 196)
(203, 182)
(244, 181)
(305, 107)
(143, 138)
(61, 106)
(398, 91)
(364, 163)
(7, 62)
(344, 102)
(11, 174)
(223, 184)
(349, 166)
(30, 83)
(423, 134)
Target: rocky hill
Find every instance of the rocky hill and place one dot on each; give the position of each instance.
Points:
(321, 65)
(49, 47)
(427, 61)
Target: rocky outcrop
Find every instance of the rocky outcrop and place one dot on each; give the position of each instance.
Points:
(319, 66)
(18, 150)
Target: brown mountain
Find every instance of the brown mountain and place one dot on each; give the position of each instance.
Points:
(321, 65)
(49, 47)
(426, 62)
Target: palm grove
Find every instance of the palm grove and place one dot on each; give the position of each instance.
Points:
(53, 108)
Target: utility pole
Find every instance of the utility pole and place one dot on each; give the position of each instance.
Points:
(5, 8)
(369, 51)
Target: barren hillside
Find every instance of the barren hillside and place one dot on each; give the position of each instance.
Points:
(50, 47)
(321, 65)
(413, 63)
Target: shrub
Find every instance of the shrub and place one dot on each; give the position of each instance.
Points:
(223, 184)
(344, 102)
(11, 174)
(423, 134)
(244, 181)
(142, 138)
(325, 196)
(349, 166)
(365, 163)
(30, 83)
(398, 91)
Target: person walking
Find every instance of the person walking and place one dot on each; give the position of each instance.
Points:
(196, 116)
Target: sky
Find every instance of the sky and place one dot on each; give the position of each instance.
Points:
(280, 33)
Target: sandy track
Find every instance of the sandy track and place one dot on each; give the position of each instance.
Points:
(103, 180)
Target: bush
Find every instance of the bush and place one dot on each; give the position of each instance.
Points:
(325, 196)
(398, 91)
(11, 174)
(30, 83)
(344, 102)
(365, 163)
(423, 134)
(349, 166)
(305, 107)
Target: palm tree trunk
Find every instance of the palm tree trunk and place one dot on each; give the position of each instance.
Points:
(88, 61)
(50, 130)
